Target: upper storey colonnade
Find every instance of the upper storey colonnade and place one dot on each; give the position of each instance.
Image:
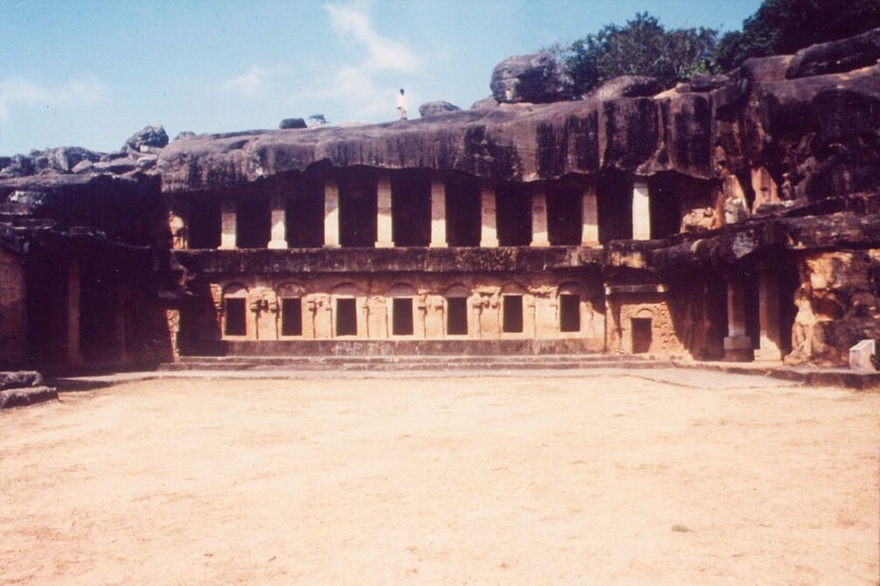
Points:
(405, 208)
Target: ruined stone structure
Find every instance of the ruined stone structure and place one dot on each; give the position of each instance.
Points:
(738, 220)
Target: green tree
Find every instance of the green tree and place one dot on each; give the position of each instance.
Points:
(782, 27)
(642, 47)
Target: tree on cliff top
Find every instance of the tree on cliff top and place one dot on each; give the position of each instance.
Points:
(781, 27)
(641, 47)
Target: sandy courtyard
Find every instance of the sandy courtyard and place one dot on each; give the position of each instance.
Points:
(601, 478)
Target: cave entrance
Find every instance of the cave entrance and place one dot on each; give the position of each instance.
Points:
(514, 214)
(411, 207)
(357, 209)
(463, 219)
(203, 219)
(564, 211)
(304, 212)
(253, 220)
(614, 194)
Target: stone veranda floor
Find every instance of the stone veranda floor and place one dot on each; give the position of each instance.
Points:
(663, 476)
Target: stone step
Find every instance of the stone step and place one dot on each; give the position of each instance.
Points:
(405, 363)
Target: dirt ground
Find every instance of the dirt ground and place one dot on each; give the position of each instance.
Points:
(599, 478)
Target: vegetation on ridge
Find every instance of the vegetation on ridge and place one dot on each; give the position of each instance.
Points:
(644, 47)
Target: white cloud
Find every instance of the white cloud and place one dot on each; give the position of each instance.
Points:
(383, 53)
(360, 87)
(252, 83)
(20, 91)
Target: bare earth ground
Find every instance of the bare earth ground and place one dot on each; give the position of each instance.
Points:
(600, 478)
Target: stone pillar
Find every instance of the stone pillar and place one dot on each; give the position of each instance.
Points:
(489, 230)
(641, 211)
(384, 232)
(331, 214)
(737, 344)
(768, 315)
(74, 356)
(540, 236)
(589, 217)
(228, 222)
(279, 222)
(438, 214)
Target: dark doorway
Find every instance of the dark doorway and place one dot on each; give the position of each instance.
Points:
(463, 210)
(570, 313)
(305, 213)
(564, 210)
(203, 222)
(402, 316)
(641, 335)
(456, 316)
(291, 317)
(236, 323)
(513, 204)
(357, 211)
(253, 221)
(346, 317)
(614, 202)
(411, 207)
(512, 321)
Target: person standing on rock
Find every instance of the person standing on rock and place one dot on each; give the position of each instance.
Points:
(401, 105)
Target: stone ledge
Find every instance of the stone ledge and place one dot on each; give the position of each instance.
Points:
(23, 397)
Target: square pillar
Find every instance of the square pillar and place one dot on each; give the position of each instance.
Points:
(540, 237)
(641, 211)
(489, 229)
(438, 214)
(384, 232)
(331, 214)
(74, 356)
(589, 217)
(768, 316)
(228, 223)
(279, 222)
(737, 345)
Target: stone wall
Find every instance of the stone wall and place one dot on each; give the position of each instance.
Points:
(534, 309)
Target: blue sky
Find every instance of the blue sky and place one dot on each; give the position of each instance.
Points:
(92, 72)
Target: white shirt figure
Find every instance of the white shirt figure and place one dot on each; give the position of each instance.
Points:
(401, 105)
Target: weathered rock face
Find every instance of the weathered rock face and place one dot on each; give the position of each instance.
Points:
(838, 304)
(435, 108)
(626, 86)
(537, 78)
(837, 56)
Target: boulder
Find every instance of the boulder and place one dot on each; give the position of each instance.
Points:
(536, 78)
(765, 68)
(837, 56)
(435, 108)
(144, 141)
(292, 124)
(626, 86)
(17, 379)
(485, 104)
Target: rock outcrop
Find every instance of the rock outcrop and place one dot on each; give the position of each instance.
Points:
(537, 78)
(435, 108)
(836, 56)
(148, 140)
